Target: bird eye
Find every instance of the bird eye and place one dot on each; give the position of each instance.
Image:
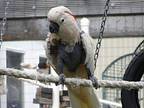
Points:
(62, 20)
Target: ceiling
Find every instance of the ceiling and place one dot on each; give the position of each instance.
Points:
(38, 8)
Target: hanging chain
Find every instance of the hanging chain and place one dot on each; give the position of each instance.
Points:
(3, 24)
(101, 32)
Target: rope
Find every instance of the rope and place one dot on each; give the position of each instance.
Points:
(71, 81)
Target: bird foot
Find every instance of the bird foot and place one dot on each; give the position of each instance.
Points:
(94, 81)
(61, 79)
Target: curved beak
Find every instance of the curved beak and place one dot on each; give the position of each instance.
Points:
(53, 27)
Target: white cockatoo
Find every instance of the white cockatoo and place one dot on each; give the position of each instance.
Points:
(71, 52)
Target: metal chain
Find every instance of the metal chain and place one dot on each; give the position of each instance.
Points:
(96, 55)
(3, 23)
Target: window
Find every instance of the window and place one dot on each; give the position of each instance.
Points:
(14, 86)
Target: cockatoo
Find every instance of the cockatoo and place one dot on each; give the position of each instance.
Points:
(71, 52)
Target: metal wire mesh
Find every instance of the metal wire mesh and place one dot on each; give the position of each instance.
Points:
(115, 71)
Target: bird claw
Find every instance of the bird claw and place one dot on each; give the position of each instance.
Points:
(61, 79)
(94, 81)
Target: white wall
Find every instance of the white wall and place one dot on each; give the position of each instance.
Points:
(112, 48)
(32, 50)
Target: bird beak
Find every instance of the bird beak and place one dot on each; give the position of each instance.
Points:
(53, 27)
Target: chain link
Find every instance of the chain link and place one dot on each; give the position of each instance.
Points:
(3, 23)
(96, 55)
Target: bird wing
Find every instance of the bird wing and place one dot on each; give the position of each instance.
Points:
(89, 46)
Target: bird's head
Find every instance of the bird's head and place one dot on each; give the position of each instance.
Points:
(63, 25)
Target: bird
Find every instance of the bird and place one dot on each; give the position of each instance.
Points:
(71, 52)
